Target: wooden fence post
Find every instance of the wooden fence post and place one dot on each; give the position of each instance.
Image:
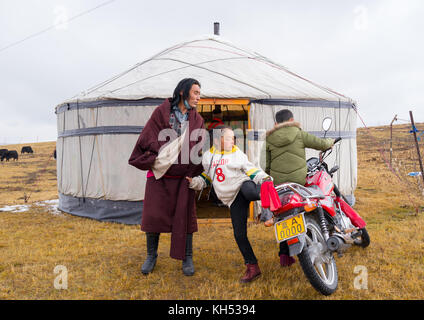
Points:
(414, 130)
(391, 137)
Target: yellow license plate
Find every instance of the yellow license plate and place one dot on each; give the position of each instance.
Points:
(290, 227)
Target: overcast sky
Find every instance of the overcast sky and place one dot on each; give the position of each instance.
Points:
(371, 51)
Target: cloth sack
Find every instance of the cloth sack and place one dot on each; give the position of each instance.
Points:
(269, 196)
(168, 155)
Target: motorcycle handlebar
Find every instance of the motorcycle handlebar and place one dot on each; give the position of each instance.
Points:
(335, 141)
(322, 153)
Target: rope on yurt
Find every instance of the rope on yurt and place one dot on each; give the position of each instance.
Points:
(174, 47)
(257, 57)
(104, 83)
(244, 128)
(79, 138)
(197, 65)
(63, 148)
(274, 113)
(92, 148)
(100, 167)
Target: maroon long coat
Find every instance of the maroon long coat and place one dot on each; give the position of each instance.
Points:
(169, 204)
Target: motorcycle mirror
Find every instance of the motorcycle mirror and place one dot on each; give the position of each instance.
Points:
(326, 123)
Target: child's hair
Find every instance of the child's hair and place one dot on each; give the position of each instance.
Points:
(283, 115)
(223, 127)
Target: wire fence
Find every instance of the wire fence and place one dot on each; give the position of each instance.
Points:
(401, 151)
(403, 158)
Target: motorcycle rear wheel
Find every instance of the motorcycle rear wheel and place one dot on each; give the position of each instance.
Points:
(317, 261)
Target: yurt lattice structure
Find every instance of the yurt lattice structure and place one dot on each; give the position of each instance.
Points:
(97, 129)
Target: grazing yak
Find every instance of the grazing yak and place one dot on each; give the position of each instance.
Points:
(2, 152)
(10, 154)
(27, 149)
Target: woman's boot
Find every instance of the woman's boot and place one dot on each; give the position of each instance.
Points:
(252, 273)
(188, 267)
(152, 240)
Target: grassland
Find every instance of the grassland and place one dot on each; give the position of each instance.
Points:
(103, 259)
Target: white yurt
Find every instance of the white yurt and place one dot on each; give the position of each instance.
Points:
(98, 128)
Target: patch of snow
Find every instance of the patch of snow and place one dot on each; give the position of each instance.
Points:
(17, 208)
(54, 202)
(51, 205)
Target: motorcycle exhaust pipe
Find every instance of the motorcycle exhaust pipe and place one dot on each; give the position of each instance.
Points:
(335, 243)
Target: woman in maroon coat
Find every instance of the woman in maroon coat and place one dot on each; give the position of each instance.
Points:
(169, 204)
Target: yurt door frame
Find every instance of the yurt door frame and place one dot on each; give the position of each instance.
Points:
(234, 102)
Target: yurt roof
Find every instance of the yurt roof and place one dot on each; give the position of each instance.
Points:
(223, 69)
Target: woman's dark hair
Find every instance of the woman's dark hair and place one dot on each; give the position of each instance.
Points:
(184, 86)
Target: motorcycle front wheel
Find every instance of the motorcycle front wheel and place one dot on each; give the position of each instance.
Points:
(364, 240)
(317, 261)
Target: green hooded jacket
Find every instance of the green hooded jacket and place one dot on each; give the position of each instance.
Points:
(285, 152)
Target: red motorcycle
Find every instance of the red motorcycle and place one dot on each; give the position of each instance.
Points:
(317, 221)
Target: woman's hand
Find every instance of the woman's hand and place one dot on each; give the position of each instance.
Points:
(189, 179)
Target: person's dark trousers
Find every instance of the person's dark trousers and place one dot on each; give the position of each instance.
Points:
(239, 210)
(284, 248)
(214, 197)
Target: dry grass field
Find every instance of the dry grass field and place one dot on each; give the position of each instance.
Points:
(103, 260)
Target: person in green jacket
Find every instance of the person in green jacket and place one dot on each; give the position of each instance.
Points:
(286, 157)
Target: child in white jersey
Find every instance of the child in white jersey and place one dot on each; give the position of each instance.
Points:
(236, 182)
